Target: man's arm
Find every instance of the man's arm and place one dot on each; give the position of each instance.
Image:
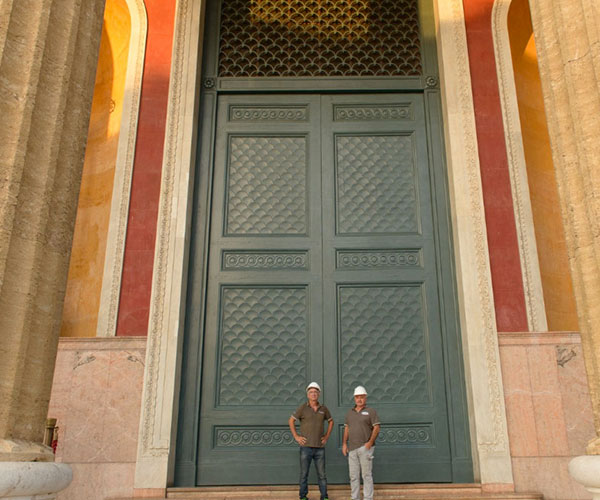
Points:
(301, 440)
(328, 433)
(374, 434)
(345, 441)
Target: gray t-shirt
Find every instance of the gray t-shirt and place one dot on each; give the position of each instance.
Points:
(360, 426)
(312, 423)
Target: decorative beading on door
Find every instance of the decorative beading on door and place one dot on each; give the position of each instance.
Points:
(303, 38)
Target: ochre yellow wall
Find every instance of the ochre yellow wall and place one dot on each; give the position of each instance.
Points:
(82, 300)
(554, 267)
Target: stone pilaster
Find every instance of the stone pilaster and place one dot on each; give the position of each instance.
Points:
(567, 35)
(48, 57)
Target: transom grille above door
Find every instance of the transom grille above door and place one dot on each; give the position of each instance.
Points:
(304, 38)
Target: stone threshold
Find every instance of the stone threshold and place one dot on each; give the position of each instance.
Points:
(342, 492)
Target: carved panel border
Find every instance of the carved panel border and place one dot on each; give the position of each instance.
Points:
(257, 260)
(413, 436)
(253, 437)
(391, 112)
(378, 259)
(239, 113)
(491, 452)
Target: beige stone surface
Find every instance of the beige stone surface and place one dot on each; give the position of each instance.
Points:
(20, 450)
(567, 38)
(48, 52)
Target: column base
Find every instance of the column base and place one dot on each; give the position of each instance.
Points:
(33, 480)
(586, 471)
(20, 450)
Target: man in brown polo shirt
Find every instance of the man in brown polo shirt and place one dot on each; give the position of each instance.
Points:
(312, 440)
(360, 432)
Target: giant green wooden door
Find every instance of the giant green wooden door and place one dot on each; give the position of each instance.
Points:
(322, 266)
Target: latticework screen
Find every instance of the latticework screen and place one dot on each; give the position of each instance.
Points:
(285, 38)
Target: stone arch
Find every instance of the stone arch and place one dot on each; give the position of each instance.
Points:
(532, 284)
(115, 245)
(548, 290)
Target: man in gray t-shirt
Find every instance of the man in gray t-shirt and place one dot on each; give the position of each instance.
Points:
(360, 432)
(312, 438)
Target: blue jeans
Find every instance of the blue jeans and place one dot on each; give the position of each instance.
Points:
(307, 454)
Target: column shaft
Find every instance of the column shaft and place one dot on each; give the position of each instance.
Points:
(48, 57)
(567, 39)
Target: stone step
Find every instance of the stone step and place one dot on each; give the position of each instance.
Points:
(342, 492)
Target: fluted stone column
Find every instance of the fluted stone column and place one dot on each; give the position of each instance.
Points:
(567, 39)
(48, 57)
(567, 35)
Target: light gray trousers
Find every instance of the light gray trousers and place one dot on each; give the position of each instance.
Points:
(360, 461)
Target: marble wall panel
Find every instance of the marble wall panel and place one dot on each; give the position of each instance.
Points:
(575, 394)
(548, 408)
(96, 399)
(100, 481)
(547, 401)
(520, 413)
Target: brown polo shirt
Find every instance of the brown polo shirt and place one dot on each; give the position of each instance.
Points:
(312, 423)
(360, 426)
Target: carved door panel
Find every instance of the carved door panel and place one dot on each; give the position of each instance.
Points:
(322, 266)
(264, 298)
(381, 314)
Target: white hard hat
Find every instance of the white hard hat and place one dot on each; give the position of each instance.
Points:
(360, 391)
(315, 385)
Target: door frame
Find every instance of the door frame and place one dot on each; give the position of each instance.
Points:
(483, 387)
(193, 337)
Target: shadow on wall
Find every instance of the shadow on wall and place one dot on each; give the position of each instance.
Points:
(80, 313)
(552, 252)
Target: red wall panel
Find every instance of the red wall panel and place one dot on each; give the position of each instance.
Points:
(507, 281)
(136, 283)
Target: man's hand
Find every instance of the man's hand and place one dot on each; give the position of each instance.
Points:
(368, 445)
(324, 440)
(345, 449)
(301, 440)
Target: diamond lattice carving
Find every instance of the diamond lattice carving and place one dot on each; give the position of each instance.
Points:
(263, 346)
(319, 38)
(376, 184)
(266, 189)
(381, 334)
